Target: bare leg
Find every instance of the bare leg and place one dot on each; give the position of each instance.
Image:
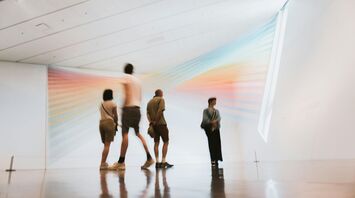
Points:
(165, 149)
(143, 142)
(105, 152)
(124, 144)
(149, 161)
(156, 151)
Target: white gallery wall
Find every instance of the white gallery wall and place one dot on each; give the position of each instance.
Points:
(23, 100)
(314, 106)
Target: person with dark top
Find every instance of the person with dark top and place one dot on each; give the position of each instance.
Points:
(155, 115)
(108, 124)
(211, 124)
(131, 117)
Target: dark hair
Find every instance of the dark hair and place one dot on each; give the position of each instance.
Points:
(128, 68)
(107, 95)
(211, 100)
(158, 92)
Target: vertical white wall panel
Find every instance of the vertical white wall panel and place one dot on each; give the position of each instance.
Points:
(23, 90)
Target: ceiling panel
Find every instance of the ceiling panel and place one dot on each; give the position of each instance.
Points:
(16, 12)
(72, 21)
(102, 34)
(172, 53)
(98, 28)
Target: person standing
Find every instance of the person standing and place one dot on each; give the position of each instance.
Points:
(155, 115)
(211, 124)
(131, 117)
(108, 124)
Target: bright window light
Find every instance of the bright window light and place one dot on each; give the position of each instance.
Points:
(273, 70)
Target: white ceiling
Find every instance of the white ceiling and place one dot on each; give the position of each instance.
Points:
(105, 34)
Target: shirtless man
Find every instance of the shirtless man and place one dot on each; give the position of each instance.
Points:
(131, 116)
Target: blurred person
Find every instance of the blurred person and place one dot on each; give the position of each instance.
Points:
(131, 116)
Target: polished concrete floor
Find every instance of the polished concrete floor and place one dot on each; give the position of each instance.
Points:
(320, 179)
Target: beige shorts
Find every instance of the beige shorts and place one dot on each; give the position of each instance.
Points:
(107, 130)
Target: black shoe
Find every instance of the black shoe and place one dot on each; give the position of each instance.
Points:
(158, 165)
(166, 165)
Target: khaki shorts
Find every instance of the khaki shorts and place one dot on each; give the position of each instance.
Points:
(161, 131)
(107, 130)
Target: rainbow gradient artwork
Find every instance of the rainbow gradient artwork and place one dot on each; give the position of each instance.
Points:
(234, 73)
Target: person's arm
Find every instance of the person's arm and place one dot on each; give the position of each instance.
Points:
(151, 122)
(149, 118)
(124, 82)
(218, 117)
(206, 119)
(115, 115)
(161, 108)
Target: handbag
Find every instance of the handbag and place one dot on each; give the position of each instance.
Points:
(151, 132)
(203, 125)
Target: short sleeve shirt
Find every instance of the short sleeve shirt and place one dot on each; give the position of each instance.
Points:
(155, 105)
(109, 107)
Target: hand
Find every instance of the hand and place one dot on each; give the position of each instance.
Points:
(214, 122)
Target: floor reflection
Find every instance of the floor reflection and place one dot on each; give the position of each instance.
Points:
(288, 179)
(105, 193)
(160, 191)
(148, 176)
(166, 190)
(217, 183)
(122, 184)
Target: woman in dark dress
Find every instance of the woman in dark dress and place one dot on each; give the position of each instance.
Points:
(211, 124)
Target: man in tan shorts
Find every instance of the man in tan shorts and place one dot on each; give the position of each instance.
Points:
(155, 114)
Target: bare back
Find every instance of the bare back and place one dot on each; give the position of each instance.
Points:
(132, 89)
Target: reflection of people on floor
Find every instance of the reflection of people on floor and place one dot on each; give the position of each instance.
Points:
(103, 182)
(122, 185)
(121, 180)
(166, 190)
(148, 176)
(217, 183)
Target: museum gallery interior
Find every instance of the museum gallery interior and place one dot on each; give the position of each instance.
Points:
(177, 98)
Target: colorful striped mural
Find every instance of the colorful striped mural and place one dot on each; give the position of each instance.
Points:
(234, 73)
(73, 101)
